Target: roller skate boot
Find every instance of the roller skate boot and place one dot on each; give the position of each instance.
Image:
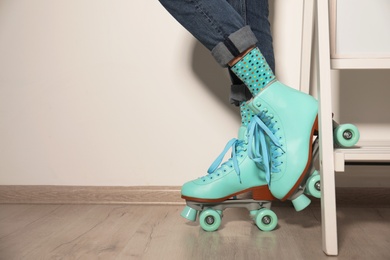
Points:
(283, 127)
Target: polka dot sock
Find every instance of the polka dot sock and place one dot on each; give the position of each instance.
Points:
(246, 114)
(254, 71)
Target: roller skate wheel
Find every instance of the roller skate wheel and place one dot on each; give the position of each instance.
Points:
(189, 213)
(313, 186)
(266, 220)
(210, 220)
(301, 202)
(346, 135)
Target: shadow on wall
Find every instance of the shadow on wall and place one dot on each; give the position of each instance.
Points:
(271, 15)
(212, 76)
(364, 96)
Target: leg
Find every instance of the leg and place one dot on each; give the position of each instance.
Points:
(255, 14)
(280, 121)
(225, 38)
(206, 21)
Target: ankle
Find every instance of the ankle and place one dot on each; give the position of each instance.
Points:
(239, 57)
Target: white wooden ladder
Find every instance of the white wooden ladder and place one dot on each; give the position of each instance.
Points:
(332, 160)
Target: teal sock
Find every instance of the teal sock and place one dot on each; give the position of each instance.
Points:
(246, 114)
(254, 71)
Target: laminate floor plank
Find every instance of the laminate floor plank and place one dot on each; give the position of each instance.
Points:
(158, 232)
(35, 238)
(14, 209)
(105, 238)
(365, 232)
(19, 218)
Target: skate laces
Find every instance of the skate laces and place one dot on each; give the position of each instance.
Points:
(237, 146)
(264, 147)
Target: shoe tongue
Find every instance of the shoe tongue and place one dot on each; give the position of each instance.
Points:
(242, 133)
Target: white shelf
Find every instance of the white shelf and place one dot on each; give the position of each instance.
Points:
(360, 63)
(373, 152)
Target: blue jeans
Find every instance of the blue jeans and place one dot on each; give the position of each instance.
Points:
(226, 28)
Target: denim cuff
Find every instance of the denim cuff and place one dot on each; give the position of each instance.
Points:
(242, 40)
(239, 93)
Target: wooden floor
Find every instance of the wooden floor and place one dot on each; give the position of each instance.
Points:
(158, 232)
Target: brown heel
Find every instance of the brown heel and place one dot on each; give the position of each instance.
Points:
(315, 125)
(262, 193)
(314, 130)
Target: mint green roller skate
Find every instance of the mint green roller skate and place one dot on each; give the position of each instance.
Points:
(283, 127)
(209, 195)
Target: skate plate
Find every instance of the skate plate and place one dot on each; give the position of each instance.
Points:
(210, 214)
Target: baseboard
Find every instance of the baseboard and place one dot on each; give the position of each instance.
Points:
(168, 195)
(90, 195)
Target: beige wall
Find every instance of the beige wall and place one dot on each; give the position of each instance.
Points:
(118, 93)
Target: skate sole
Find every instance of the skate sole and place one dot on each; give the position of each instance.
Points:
(258, 193)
